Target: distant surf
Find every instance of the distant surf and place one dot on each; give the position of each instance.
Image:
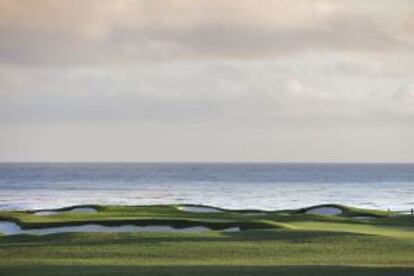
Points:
(264, 186)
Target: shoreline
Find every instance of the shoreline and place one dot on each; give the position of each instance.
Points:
(64, 207)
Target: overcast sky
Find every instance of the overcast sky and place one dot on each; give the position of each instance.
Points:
(205, 80)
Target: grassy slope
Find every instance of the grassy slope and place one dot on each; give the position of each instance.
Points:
(301, 245)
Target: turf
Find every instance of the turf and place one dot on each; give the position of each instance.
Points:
(287, 242)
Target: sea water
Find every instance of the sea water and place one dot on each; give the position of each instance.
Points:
(228, 185)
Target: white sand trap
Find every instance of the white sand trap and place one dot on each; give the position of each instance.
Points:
(363, 218)
(404, 212)
(332, 211)
(199, 209)
(11, 228)
(82, 210)
(231, 229)
(252, 213)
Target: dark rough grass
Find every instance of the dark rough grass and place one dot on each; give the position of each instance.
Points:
(205, 270)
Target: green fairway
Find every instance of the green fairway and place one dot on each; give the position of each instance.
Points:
(288, 242)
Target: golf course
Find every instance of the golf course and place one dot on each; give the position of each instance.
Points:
(202, 240)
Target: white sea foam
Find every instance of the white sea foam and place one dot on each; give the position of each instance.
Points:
(224, 195)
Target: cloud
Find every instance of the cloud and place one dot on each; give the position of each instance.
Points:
(104, 32)
(227, 74)
(243, 92)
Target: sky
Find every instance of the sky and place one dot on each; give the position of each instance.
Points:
(207, 81)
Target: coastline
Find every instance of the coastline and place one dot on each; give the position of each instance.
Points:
(233, 186)
(204, 240)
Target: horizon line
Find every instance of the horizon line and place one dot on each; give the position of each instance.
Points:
(210, 162)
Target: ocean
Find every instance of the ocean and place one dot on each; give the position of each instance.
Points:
(266, 186)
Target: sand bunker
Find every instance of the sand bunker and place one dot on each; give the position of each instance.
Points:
(252, 213)
(324, 211)
(199, 209)
(11, 228)
(404, 212)
(83, 210)
(363, 218)
(231, 229)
